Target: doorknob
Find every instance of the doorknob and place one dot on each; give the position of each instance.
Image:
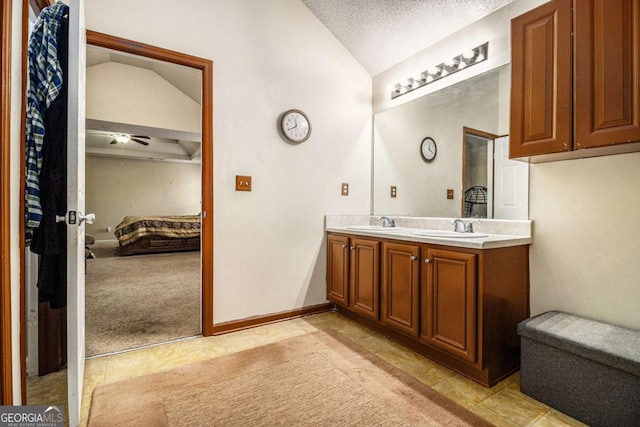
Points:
(88, 218)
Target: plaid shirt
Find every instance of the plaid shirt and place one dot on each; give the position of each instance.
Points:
(43, 86)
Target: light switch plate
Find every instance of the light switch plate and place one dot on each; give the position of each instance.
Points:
(394, 191)
(449, 193)
(345, 188)
(243, 183)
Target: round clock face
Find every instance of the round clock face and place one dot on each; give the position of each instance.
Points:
(428, 149)
(295, 126)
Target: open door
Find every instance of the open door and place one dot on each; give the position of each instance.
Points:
(75, 205)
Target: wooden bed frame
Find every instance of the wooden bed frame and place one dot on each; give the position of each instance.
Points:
(159, 244)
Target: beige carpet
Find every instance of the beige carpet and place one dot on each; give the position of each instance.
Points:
(318, 379)
(142, 299)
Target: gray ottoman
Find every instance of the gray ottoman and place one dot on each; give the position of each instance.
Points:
(587, 369)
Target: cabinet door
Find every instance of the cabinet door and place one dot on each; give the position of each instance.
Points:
(400, 274)
(607, 67)
(449, 303)
(365, 278)
(338, 269)
(541, 80)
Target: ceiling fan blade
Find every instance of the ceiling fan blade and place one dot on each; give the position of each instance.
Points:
(113, 142)
(140, 136)
(139, 141)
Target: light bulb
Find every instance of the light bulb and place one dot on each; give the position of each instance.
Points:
(122, 139)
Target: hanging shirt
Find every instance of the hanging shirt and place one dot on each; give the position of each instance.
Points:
(43, 87)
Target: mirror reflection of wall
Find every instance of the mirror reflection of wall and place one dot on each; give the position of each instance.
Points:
(476, 103)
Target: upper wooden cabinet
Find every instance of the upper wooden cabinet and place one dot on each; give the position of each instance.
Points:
(541, 80)
(575, 70)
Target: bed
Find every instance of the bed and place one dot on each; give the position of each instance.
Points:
(157, 234)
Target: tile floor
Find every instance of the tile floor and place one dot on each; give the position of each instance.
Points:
(502, 405)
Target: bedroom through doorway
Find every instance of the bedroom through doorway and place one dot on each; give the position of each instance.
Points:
(144, 183)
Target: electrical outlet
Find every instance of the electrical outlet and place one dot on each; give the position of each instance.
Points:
(394, 191)
(449, 193)
(345, 188)
(243, 183)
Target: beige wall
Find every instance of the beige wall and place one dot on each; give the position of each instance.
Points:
(269, 56)
(586, 243)
(116, 188)
(125, 94)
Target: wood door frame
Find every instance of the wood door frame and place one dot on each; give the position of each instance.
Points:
(6, 362)
(475, 132)
(206, 66)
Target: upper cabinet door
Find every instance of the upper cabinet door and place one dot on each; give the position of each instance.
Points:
(607, 67)
(541, 80)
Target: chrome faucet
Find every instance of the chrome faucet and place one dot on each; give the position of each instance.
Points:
(387, 222)
(460, 227)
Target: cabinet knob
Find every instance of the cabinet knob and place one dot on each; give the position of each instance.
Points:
(344, 245)
(413, 258)
(427, 261)
(353, 248)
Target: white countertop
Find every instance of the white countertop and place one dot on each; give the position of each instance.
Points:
(517, 232)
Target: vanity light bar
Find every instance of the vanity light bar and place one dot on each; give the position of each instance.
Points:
(448, 67)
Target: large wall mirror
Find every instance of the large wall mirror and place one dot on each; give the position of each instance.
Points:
(465, 121)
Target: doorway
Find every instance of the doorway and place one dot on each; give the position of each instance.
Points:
(6, 391)
(206, 187)
(477, 173)
(143, 167)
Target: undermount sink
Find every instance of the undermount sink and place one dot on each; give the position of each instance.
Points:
(449, 234)
(373, 228)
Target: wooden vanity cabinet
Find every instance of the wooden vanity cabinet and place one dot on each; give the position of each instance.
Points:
(457, 306)
(400, 287)
(449, 302)
(364, 282)
(353, 274)
(338, 269)
(575, 74)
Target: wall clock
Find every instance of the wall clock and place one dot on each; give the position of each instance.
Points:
(295, 126)
(428, 149)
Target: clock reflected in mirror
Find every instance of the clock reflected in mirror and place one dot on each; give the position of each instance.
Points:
(295, 126)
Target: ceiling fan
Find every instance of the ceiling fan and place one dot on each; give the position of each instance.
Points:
(123, 138)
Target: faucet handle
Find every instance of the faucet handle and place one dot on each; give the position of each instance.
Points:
(468, 228)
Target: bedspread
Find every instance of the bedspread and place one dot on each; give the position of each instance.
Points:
(134, 227)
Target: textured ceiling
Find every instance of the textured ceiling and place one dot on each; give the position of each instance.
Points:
(381, 33)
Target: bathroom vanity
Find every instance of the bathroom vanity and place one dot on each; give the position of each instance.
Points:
(454, 298)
